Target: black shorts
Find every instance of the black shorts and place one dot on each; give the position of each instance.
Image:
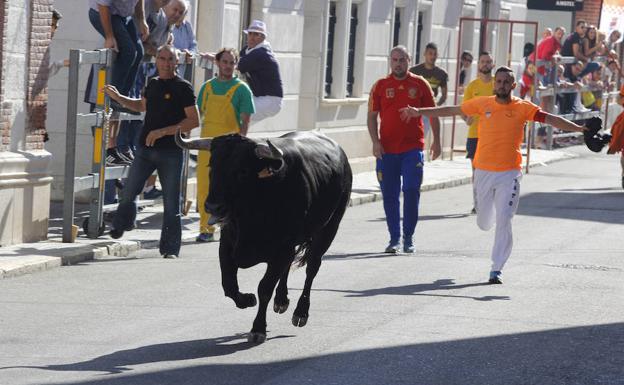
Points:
(471, 147)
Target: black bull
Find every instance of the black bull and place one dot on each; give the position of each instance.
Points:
(278, 202)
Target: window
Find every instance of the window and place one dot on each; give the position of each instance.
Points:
(351, 58)
(330, 48)
(419, 37)
(344, 49)
(245, 20)
(397, 27)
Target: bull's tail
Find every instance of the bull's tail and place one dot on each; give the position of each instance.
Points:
(320, 242)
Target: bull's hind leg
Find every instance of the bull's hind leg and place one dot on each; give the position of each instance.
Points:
(300, 315)
(313, 257)
(265, 291)
(281, 301)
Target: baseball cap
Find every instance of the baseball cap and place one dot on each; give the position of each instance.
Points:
(257, 26)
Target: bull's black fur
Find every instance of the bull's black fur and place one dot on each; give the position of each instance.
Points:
(291, 215)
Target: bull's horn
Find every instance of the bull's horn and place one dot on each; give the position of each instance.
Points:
(269, 151)
(192, 144)
(276, 152)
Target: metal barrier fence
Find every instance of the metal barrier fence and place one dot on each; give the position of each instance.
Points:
(99, 122)
(554, 90)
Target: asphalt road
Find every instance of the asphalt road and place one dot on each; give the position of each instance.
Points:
(426, 318)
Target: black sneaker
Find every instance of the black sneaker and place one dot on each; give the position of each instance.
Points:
(392, 248)
(495, 278)
(115, 234)
(126, 155)
(114, 159)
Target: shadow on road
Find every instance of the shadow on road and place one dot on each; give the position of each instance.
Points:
(345, 256)
(571, 356)
(429, 217)
(420, 289)
(605, 207)
(121, 361)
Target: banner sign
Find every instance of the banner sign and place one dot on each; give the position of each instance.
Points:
(556, 5)
(612, 16)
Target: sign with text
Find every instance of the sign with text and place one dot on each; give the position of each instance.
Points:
(556, 5)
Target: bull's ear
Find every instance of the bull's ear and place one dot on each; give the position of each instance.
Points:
(268, 151)
(273, 156)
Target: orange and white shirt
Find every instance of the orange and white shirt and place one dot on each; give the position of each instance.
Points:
(500, 132)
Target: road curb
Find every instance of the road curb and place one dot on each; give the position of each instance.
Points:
(362, 198)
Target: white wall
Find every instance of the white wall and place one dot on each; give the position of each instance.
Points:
(24, 181)
(75, 32)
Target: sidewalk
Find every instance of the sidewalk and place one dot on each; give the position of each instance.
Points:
(32, 257)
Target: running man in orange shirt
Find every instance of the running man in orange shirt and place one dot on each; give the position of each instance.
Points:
(498, 160)
(617, 132)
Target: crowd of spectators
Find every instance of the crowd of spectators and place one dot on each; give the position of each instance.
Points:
(594, 67)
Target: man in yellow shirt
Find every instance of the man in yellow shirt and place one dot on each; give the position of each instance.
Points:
(498, 160)
(483, 85)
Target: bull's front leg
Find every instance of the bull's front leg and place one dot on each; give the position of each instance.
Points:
(265, 291)
(229, 279)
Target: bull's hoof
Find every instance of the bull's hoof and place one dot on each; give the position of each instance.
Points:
(281, 308)
(256, 337)
(299, 321)
(246, 300)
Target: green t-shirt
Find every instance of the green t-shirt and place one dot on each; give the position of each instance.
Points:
(242, 100)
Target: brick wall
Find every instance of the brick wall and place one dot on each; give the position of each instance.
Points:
(38, 63)
(5, 129)
(590, 12)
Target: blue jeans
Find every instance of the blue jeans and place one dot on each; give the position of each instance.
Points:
(168, 163)
(128, 137)
(130, 49)
(130, 130)
(390, 169)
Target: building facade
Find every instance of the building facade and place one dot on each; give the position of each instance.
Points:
(330, 51)
(24, 176)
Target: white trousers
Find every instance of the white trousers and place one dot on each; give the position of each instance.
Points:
(497, 195)
(266, 106)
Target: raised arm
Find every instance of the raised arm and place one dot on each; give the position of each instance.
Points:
(562, 124)
(138, 104)
(411, 112)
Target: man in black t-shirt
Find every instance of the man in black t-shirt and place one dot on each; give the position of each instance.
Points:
(573, 45)
(169, 105)
(434, 75)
